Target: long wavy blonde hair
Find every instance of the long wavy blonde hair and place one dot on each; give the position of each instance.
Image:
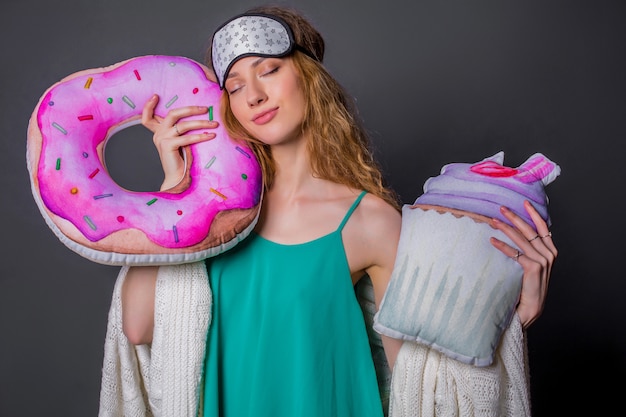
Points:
(339, 147)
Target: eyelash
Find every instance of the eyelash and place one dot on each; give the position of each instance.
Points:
(272, 71)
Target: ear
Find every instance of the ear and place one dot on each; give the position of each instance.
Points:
(210, 74)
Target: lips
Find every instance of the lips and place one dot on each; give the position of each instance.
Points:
(265, 117)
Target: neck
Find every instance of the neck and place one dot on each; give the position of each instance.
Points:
(293, 168)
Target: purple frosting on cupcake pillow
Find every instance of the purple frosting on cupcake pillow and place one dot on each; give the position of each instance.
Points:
(484, 186)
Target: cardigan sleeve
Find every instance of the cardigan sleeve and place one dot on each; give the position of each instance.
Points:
(162, 379)
(426, 383)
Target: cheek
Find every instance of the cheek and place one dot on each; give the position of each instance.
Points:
(237, 110)
(298, 91)
(300, 103)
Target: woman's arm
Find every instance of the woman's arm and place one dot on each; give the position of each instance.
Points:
(138, 304)
(138, 290)
(382, 237)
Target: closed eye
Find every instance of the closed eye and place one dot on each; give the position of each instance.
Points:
(272, 71)
(233, 88)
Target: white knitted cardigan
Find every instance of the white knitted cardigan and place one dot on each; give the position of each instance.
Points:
(165, 379)
(162, 379)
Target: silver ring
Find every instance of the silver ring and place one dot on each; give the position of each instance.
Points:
(536, 237)
(176, 129)
(548, 235)
(517, 255)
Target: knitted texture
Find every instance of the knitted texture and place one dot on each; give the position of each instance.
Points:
(163, 379)
(427, 383)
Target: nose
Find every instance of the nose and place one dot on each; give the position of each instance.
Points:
(256, 95)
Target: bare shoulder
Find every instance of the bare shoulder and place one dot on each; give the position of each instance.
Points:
(378, 218)
(371, 236)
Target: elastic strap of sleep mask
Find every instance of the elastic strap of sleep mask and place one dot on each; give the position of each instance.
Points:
(251, 34)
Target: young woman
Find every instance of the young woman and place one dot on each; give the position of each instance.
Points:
(287, 336)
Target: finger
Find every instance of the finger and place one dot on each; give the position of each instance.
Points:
(148, 118)
(517, 236)
(186, 126)
(525, 229)
(510, 251)
(543, 234)
(176, 142)
(174, 115)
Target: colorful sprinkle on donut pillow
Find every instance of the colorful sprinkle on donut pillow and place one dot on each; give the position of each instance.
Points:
(214, 207)
(450, 289)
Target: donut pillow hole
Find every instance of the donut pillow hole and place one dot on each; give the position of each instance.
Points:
(132, 160)
(215, 205)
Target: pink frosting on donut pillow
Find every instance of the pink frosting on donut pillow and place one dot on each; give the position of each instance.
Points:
(214, 207)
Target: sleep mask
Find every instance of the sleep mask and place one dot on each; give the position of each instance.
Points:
(251, 34)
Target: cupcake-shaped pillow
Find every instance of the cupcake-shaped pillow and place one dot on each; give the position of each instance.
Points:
(450, 288)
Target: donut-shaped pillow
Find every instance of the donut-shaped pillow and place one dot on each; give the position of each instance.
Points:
(214, 207)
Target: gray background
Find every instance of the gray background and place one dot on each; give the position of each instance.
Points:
(436, 81)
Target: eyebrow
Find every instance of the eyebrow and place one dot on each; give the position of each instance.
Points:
(254, 65)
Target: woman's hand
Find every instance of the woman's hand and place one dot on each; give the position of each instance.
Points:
(169, 136)
(536, 256)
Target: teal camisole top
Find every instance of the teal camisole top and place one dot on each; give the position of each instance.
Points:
(287, 337)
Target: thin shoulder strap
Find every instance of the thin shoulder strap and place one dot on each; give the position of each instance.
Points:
(352, 208)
